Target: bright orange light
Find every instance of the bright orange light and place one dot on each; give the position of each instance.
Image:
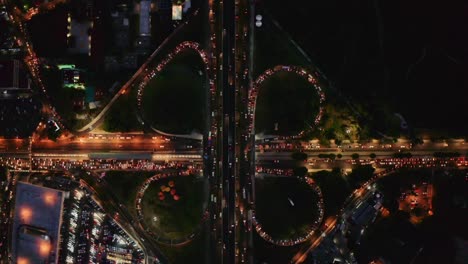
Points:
(26, 214)
(49, 199)
(44, 248)
(22, 260)
(385, 212)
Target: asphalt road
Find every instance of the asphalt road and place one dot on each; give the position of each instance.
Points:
(229, 130)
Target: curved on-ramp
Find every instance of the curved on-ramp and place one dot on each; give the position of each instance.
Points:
(143, 68)
(253, 92)
(152, 74)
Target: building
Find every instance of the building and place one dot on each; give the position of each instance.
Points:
(72, 77)
(79, 38)
(179, 7)
(13, 75)
(111, 64)
(129, 61)
(363, 215)
(121, 27)
(145, 18)
(164, 5)
(36, 224)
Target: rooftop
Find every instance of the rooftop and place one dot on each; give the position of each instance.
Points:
(36, 225)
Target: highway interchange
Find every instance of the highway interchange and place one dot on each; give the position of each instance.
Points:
(228, 153)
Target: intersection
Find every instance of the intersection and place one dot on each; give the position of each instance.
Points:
(229, 155)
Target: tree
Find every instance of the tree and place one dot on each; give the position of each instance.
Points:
(372, 155)
(330, 133)
(3, 173)
(417, 141)
(402, 155)
(338, 141)
(323, 156)
(332, 156)
(355, 156)
(334, 188)
(300, 171)
(360, 174)
(299, 156)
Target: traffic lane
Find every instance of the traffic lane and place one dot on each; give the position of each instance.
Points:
(133, 80)
(229, 131)
(136, 233)
(113, 146)
(13, 144)
(364, 154)
(116, 141)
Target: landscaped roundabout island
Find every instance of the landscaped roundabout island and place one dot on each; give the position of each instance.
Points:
(286, 101)
(170, 207)
(288, 210)
(172, 97)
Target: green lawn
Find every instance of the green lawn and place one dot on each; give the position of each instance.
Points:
(335, 189)
(276, 214)
(287, 99)
(122, 115)
(194, 252)
(175, 219)
(174, 100)
(125, 184)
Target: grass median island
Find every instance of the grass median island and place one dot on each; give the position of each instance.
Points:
(277, 214)
(172, 207)
(174, 100)
(335, 190)
(288, 100)
(125, 184)
(122, 116)
(193, 252)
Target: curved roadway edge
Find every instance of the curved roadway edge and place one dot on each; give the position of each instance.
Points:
(310, 233)
(331, 222)
(142, 224)
(150, 75)
(193, 135)
(130, 83)
(253, 92)
(319, 73)
(125, 221)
